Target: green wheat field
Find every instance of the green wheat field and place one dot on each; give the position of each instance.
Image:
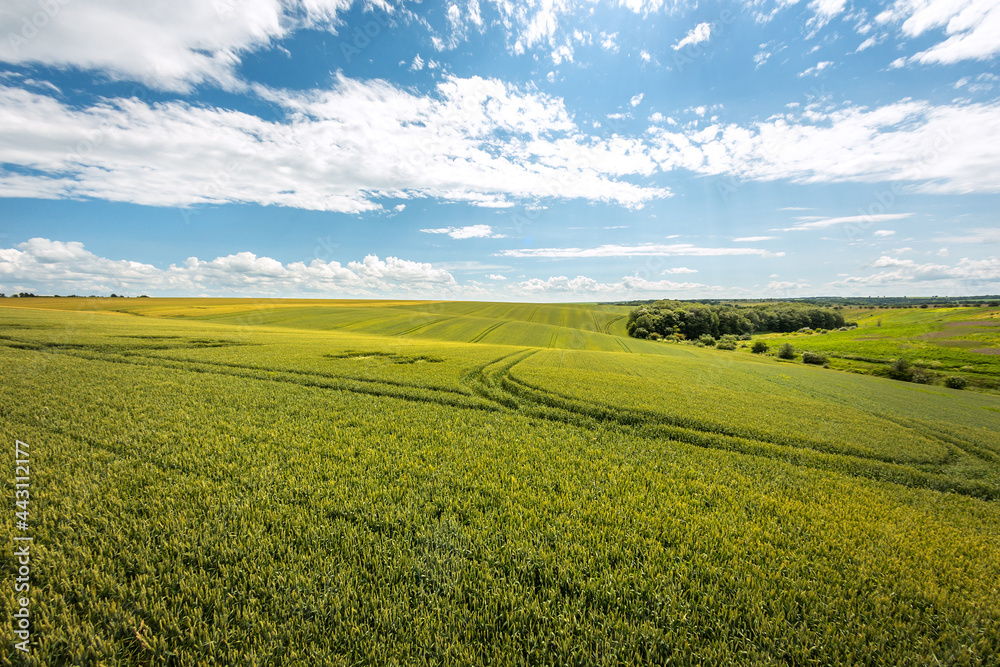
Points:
(239, 482)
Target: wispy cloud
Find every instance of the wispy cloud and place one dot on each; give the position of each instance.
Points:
(817, 68)
(648, 249)
(808, 223)
(753, 239)
(972, 26)
(468, 232)
(698, 34)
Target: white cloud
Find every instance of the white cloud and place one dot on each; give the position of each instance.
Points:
(812, 222)
(824, 10)
(867, 44)
(884, 232)
(418, 63)
(68, 267)
(753, 239)
(645, 56)
(647, 249)
(496, 276)
(609, 42)
(469, 232)
(636, 100)
(698, 34)
(475, 140)
(584, 286)
(677, 270)
(786, 286)
(936, 149)
(979, 84)
(561, 53)
(962, 278)
(167, 44)
(980, 236)
(816, 69)
(657, 118)
(972, 26)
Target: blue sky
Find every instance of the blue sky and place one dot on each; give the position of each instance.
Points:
(544, 150)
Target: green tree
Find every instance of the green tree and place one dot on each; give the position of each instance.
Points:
(786, 351)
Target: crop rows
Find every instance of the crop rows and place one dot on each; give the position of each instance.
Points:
(219, 495)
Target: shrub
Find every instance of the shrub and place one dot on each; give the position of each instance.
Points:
(900, 369)
(655, 336)
(706, 339)
(728, 342)
(814, 358)
(641, 333)
(745, 336)
(759, 347)
(956, 382)
(786, 351)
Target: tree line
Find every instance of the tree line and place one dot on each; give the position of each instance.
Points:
(692, 320)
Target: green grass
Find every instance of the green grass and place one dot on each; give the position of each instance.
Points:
(940, 341)
(228, 482)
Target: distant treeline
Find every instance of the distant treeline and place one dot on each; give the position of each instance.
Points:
(991, 300)
(667, 318)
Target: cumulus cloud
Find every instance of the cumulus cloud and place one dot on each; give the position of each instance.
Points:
(468, 232)
(884, 232)
(964, 277)
(476, 140)
(68, 267)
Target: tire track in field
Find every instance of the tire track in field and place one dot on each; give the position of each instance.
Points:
(607, 325)
(494, 389)
(542, 403)
(425, 324)
(490, 329)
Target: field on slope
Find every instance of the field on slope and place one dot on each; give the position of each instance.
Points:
(962, 341)
(231, 482)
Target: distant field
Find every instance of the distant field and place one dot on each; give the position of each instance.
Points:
(314, 482)
(943, 341)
